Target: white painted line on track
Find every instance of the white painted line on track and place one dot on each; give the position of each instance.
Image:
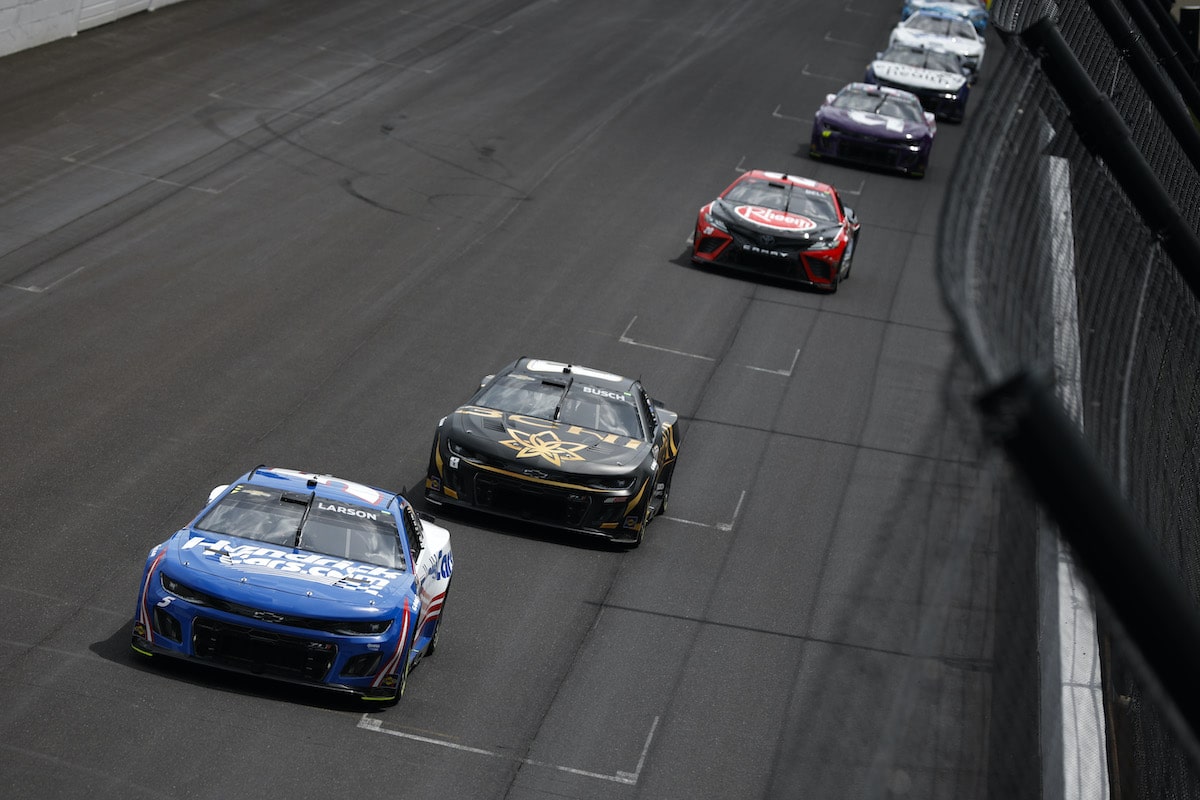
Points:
(851, 10)
(366, 722)
(829, 37)
(720, 526)
(856, 192)
(785, 373)
(833, 79)
(624, 339)
(142, 176)
(777, 115)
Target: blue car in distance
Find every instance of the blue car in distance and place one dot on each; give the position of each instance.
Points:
(974, 12)
(300, 577)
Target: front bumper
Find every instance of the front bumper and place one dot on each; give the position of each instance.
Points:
(780, 259)
(366, 666)
(908, 156)
(945, 105)
(613, 515)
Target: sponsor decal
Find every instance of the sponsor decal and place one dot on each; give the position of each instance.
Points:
(544, 444)
(772, 218)
(443, 566)
(867, 118)
(611, 395)
(585, 436)
(762, 251)
(919, 75)
(348, 511)
(303, 566)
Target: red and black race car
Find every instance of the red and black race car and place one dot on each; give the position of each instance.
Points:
(560, 445)
(781, 226)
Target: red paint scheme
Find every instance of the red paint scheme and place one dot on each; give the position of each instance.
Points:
(822, 266)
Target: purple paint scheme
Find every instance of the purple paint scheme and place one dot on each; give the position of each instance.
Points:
(874, 126)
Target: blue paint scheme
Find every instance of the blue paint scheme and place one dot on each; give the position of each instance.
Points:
(325, 611)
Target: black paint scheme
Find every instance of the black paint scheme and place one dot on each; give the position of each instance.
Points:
(561, 445)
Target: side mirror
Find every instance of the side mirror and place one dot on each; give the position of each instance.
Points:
(930, 119)
(216, 491)
(486, 380)
(829, 98)
(850, 215)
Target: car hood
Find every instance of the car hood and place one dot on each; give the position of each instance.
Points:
(871, 124)
(914, 38)
(542, 446)
(284, 579)
(917, 77)
(774, 221)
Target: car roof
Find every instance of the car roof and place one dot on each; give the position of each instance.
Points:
(791, 180)
(326, 486)
(870, 88)
(935, 14)
(545, 368)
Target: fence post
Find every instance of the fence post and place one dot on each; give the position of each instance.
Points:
(1107, 136)
(1148, 601)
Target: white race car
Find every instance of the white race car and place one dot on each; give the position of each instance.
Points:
(936, 31)
(937, 79)
(972, 10)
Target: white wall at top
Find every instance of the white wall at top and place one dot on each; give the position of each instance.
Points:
(29, 23)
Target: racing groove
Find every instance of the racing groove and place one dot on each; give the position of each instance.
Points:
(299, 233)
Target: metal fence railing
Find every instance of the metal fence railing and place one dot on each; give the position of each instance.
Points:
(1052, 267)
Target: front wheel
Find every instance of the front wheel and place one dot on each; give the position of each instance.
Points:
(647, 515)
(848, 257)
(437, 632)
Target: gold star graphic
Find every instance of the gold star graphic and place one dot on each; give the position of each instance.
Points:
(544, 444)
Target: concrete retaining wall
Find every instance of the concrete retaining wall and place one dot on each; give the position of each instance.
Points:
(29, 23)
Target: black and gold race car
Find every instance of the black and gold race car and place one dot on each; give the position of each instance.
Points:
(559, 445)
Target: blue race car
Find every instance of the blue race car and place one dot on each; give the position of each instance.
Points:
(300, 577)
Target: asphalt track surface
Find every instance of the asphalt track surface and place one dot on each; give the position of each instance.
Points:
(298, 233)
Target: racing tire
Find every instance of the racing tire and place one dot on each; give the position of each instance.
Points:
(647, 515)
(665, 494)
(833, 284)
(403, 680)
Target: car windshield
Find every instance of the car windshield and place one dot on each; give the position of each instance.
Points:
(887, 105)
(930, 59)
(812, 203)
(568, 401)
(600, 409)
(943, 26)
(305, 522)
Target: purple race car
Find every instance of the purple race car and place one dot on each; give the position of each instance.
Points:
(876, 126)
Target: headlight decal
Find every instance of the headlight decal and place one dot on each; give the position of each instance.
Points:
(392, 665)
(144, 613)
